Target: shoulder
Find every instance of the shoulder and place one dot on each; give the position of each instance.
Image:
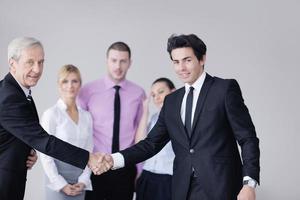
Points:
(10, 94)
(176, 93)
(223, 85)
(51, 113)
(134, 87)
(90, 87)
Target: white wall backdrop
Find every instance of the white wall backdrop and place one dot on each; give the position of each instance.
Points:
(257, 42)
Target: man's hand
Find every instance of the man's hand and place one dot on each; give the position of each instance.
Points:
(70, 190)
(108, 161)
(246, 193)
(98, 164)
(106, 164)
(95, 161)
(31, 159)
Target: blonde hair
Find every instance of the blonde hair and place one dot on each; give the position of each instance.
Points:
(65, 70)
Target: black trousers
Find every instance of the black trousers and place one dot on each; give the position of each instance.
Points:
(12, 185)
(113, 185)
(152, 186)
(196, 191)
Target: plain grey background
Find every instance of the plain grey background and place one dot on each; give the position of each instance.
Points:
(256, 42)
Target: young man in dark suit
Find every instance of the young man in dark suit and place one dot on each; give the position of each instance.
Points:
(20, 131)
(204, 121)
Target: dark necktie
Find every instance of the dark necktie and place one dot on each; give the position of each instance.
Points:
(116, 128)
(188, 111)
(30, 100)
(29, 97)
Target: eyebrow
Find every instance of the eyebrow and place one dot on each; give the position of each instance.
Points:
(185, 58)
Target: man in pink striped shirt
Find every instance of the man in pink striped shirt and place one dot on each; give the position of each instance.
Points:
(116, 107)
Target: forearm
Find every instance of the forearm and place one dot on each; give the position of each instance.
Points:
(141, 132)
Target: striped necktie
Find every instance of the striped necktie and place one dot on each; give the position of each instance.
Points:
(29, 97)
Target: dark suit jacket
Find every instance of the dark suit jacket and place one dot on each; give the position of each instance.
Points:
(19, 132)
(221, 118)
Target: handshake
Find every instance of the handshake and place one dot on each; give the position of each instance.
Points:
(100, 162)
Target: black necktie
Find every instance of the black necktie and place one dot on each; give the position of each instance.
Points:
(116, 128)
(30, 100)
(29, 97)
(188, 112)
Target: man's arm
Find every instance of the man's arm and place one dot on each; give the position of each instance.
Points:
(244, 131)
(17, 117)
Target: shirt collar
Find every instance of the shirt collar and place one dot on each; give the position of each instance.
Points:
(25, 90)
(109, 84)
(61, 105)
(197, 84)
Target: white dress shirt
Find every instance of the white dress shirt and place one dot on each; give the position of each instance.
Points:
(197, 85)
(57, 122)
(25, 90)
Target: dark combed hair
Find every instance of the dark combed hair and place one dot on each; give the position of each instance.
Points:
(120, 46)
(168, 82)
(192, 41)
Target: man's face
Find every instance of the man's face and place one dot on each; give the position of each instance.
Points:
(28, 69)
(118, 62)
(187, 67)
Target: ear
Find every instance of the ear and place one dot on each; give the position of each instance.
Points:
(173, 89)
(10, 62)
(12, 66)
(130, 62)
(203, 60)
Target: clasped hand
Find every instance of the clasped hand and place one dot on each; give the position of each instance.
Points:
(100, 163)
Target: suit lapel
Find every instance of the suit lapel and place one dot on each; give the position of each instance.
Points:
(177, 106)
(201, 99)
(34, 110)
(9, 78)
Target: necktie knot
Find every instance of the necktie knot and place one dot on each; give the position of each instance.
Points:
(191, 89)
(117, 88)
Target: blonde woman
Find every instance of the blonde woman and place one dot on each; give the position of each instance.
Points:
(72, 124)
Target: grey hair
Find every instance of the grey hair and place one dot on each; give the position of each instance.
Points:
(16, 46)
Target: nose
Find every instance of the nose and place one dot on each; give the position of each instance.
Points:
(70, 84)
(118, 66)
(182, 66)
(36, 67)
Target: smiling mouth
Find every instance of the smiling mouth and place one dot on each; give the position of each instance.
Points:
(34, 77)
(184, 75)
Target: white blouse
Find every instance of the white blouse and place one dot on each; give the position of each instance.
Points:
(57, 122)
(162, 162)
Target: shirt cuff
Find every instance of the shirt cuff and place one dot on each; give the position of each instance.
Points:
(85, 178)
(119, 161)
(246, 178)
(58, 183)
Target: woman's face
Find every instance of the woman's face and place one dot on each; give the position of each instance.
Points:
(69, 86)
(159, 91)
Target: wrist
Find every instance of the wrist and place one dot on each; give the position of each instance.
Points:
(251, 183)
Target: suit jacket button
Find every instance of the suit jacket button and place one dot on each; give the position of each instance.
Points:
(192, 151)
